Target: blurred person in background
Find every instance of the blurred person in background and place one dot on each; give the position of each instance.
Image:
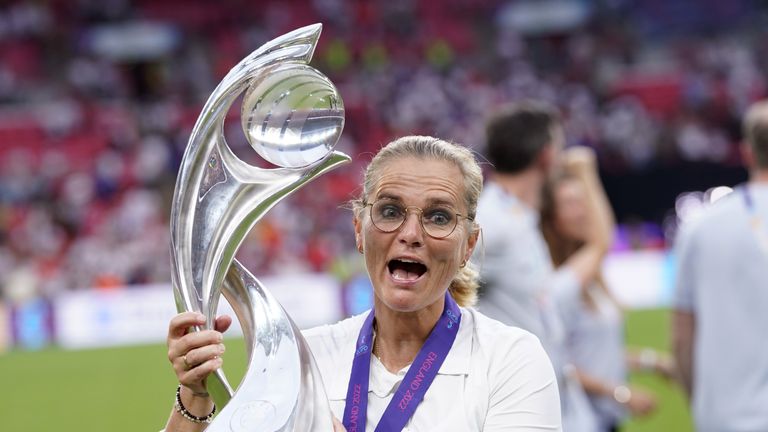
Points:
(721, 300)
(414, 224)
(524, 143)
(578, 226)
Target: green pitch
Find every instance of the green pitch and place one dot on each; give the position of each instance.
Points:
(131, 389)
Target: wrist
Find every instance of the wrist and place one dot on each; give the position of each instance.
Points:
(622, 394)
(199, 404)
(648, 359)
(194, 393)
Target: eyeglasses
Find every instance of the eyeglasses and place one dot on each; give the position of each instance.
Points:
(436, 221)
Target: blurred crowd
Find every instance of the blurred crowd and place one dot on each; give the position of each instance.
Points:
(97, 100)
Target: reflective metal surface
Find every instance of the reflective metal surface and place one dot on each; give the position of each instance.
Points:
(292, 116)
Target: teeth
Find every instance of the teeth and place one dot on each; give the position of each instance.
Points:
(404, 275)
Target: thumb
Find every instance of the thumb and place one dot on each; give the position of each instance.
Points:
(222, 323)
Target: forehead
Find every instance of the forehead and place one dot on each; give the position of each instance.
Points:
(418, 181)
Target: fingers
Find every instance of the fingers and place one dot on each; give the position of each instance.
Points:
(578, 159)
(185, 344)
(181, 340)
(579, 155)
(194, 378)
(181, 322)
(198, 356)
(337, 426)
(642, 403)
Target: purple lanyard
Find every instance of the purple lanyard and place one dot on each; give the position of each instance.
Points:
(420, 375)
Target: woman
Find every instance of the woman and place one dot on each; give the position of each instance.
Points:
(414, 224)
(577, 224)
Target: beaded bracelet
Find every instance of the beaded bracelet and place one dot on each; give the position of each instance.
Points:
(188, 415)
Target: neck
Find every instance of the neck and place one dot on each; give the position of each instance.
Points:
(759, 176)
(525, 186)
(400, 335)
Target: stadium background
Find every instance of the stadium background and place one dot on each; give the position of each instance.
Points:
(97, 99)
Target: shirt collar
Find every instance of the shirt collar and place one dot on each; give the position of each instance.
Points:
(456, 363)
(512, 203)
(458, 359)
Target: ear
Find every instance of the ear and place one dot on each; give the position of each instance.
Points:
(547, 158)
(358, 233)
(471, 243)
(747, 155)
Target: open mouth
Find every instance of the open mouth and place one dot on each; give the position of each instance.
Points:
(406, 270)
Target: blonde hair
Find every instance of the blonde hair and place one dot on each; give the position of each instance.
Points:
(755, 129)
(465, 283)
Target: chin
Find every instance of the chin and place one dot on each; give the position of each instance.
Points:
(402, 300)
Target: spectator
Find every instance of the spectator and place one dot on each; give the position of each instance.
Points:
(721, 298)
(577, 223)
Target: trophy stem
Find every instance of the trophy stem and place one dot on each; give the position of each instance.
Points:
(282, 389)
(219, 388)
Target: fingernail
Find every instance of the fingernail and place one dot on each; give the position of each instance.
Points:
(200, 317)
(221, 349)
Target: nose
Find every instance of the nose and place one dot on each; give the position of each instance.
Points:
(410, 231)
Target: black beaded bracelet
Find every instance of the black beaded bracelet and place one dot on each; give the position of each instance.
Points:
(188, 415)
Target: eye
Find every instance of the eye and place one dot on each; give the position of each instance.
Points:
(439, 217)
(389, 211)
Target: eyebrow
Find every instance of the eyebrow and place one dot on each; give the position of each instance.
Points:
(430, 202)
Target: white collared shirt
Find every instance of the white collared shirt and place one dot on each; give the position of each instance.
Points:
(722, 278)
(495, 378)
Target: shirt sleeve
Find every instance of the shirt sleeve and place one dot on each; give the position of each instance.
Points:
(685, 277)
(524, 395)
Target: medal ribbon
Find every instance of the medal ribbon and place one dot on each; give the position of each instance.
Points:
(414, 386)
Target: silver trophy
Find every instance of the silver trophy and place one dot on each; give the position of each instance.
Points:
(292, 116)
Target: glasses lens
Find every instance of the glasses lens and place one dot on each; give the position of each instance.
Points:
(387, 215)
(438, 221)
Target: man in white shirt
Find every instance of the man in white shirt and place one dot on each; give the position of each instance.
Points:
(721, 303)
(520, 285)
(523, 142)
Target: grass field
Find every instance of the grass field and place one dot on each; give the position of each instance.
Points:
(131, 389)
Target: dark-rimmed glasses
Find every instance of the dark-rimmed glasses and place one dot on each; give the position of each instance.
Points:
(437, 221)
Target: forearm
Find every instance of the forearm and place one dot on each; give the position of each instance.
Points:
(603, 223)
(600, 226)
(596, 387)
(683, 335)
